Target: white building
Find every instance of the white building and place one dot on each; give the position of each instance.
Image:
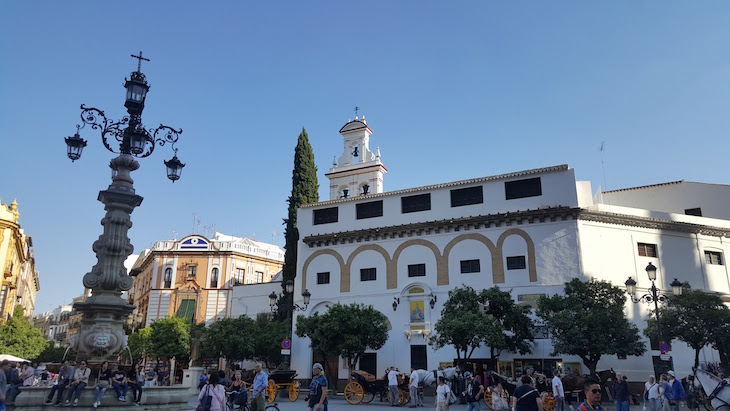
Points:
(527, 232)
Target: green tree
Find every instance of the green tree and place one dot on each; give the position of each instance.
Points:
(139, 343)
(465, 325)
(589, 321)
(514, 320)
(696, 318)
(54, 354)
(170, 337)
(305, 189)
(267, 339)
(18, 337)
(230, 337)
(345, 330)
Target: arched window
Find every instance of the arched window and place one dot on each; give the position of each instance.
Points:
(168, 277)
(214, 278)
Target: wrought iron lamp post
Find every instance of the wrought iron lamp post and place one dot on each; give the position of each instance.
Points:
(101, 335)
(290, 308)
(655, 297)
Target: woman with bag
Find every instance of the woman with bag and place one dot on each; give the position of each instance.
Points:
(651, 395)
(213, 396)
(102, 382)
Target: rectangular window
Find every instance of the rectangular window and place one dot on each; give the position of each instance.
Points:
(417, 270)
(325, 216)
(470, 266)
(713, 257)
(412, 204)
(516, 263)
(367, 274)
(259, 277)
(647, 250)
(238, 276)
(323, 278)
(530, 187)
(370, 210)
(693, 211)
(467, 196)
(192, 270)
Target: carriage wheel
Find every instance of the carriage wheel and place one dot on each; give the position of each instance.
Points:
(294, 391)
(353, 392)
(271, 391)
(405, 396)
(367, 397)
(488, 399)
(400, 397)
(548, 404)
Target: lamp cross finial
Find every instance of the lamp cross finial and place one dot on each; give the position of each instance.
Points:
(140, 58)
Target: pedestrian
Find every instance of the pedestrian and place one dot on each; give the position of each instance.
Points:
(203, 379)
(651, 394)
(592, 392)
(413, 388)
(163, 377)
(558, 391)
(526, 397)
(4, 367)
(150, 376)
(103, 381)
(443, 395)
(499, 401)
(621, 393)
(65, 376)
(236, 387)
(673, 391)
(216, 391)
(664, 404)
(222, 377)
(473, 392)
(120, 383)
(135, 385)
(81, 379)
(393, 387)
(260, 382)
(317, 389)
(28, 374)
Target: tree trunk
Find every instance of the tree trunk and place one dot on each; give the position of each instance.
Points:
(697, 357)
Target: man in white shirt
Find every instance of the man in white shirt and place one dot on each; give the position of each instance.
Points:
(558, 392)
(413, 388)
(393, 387)
(443, 394)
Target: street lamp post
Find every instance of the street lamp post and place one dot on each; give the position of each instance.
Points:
(290, 308)
(101, 335)
(655, 297)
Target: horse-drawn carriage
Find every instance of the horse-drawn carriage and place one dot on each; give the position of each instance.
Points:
(283, 380)
(711, 392)
(364, 387)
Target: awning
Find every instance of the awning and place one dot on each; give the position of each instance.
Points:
(187, 310)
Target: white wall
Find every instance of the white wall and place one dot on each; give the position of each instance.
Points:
(252, 299)
(675, 198)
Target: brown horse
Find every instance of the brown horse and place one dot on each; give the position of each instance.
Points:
(575, 382)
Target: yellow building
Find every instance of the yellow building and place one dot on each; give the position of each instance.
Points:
(194, 277)
(19, 280)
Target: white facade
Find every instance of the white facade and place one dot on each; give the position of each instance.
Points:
(531, 232)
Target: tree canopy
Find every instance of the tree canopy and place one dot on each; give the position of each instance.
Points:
(230, 337)
(139, 343)
(345, 330)
(305, 189)
(470, 320)
(589, 321)
(696, 318)
(170, 337)
(20, 338)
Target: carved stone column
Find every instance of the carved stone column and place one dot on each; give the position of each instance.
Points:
(101, 334)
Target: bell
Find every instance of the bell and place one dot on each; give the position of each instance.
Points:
(354, 153)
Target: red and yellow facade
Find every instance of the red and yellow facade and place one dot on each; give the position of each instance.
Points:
(19, 279)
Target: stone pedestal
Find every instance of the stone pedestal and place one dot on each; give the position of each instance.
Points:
(158, 398)
(191, 379)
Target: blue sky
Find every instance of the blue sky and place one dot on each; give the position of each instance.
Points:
(452, 90)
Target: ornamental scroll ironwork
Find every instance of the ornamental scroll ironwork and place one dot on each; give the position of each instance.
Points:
(98, 121)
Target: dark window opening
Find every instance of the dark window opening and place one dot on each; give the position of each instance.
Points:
(417, 270)
(325, 216)
(192, 270)
(367, 274)
(530, 187)
(238, 276)
(713, 257)
(214, 278)
(323, 278)
(516, 263)
(370, 210)
(470, 266)
(412, 204)
(467, 196)
(168, 277)
(693, 211)
(647, 250)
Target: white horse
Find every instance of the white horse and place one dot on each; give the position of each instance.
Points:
(717, 390)
(426, 378)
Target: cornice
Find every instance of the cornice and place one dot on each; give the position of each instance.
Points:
(510, 219)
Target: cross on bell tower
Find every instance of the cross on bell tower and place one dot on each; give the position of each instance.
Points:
(139, 63)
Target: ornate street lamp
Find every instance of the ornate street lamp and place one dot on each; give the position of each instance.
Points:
(655, 297)
(290, 307)
(101, 335)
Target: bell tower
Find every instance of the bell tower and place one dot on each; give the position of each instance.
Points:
(358, 171)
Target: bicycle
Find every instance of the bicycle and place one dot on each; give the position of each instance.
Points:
(232, 406)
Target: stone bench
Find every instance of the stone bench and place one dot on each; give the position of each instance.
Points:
(158, 398)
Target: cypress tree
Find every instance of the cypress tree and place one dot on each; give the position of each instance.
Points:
(305, 190)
